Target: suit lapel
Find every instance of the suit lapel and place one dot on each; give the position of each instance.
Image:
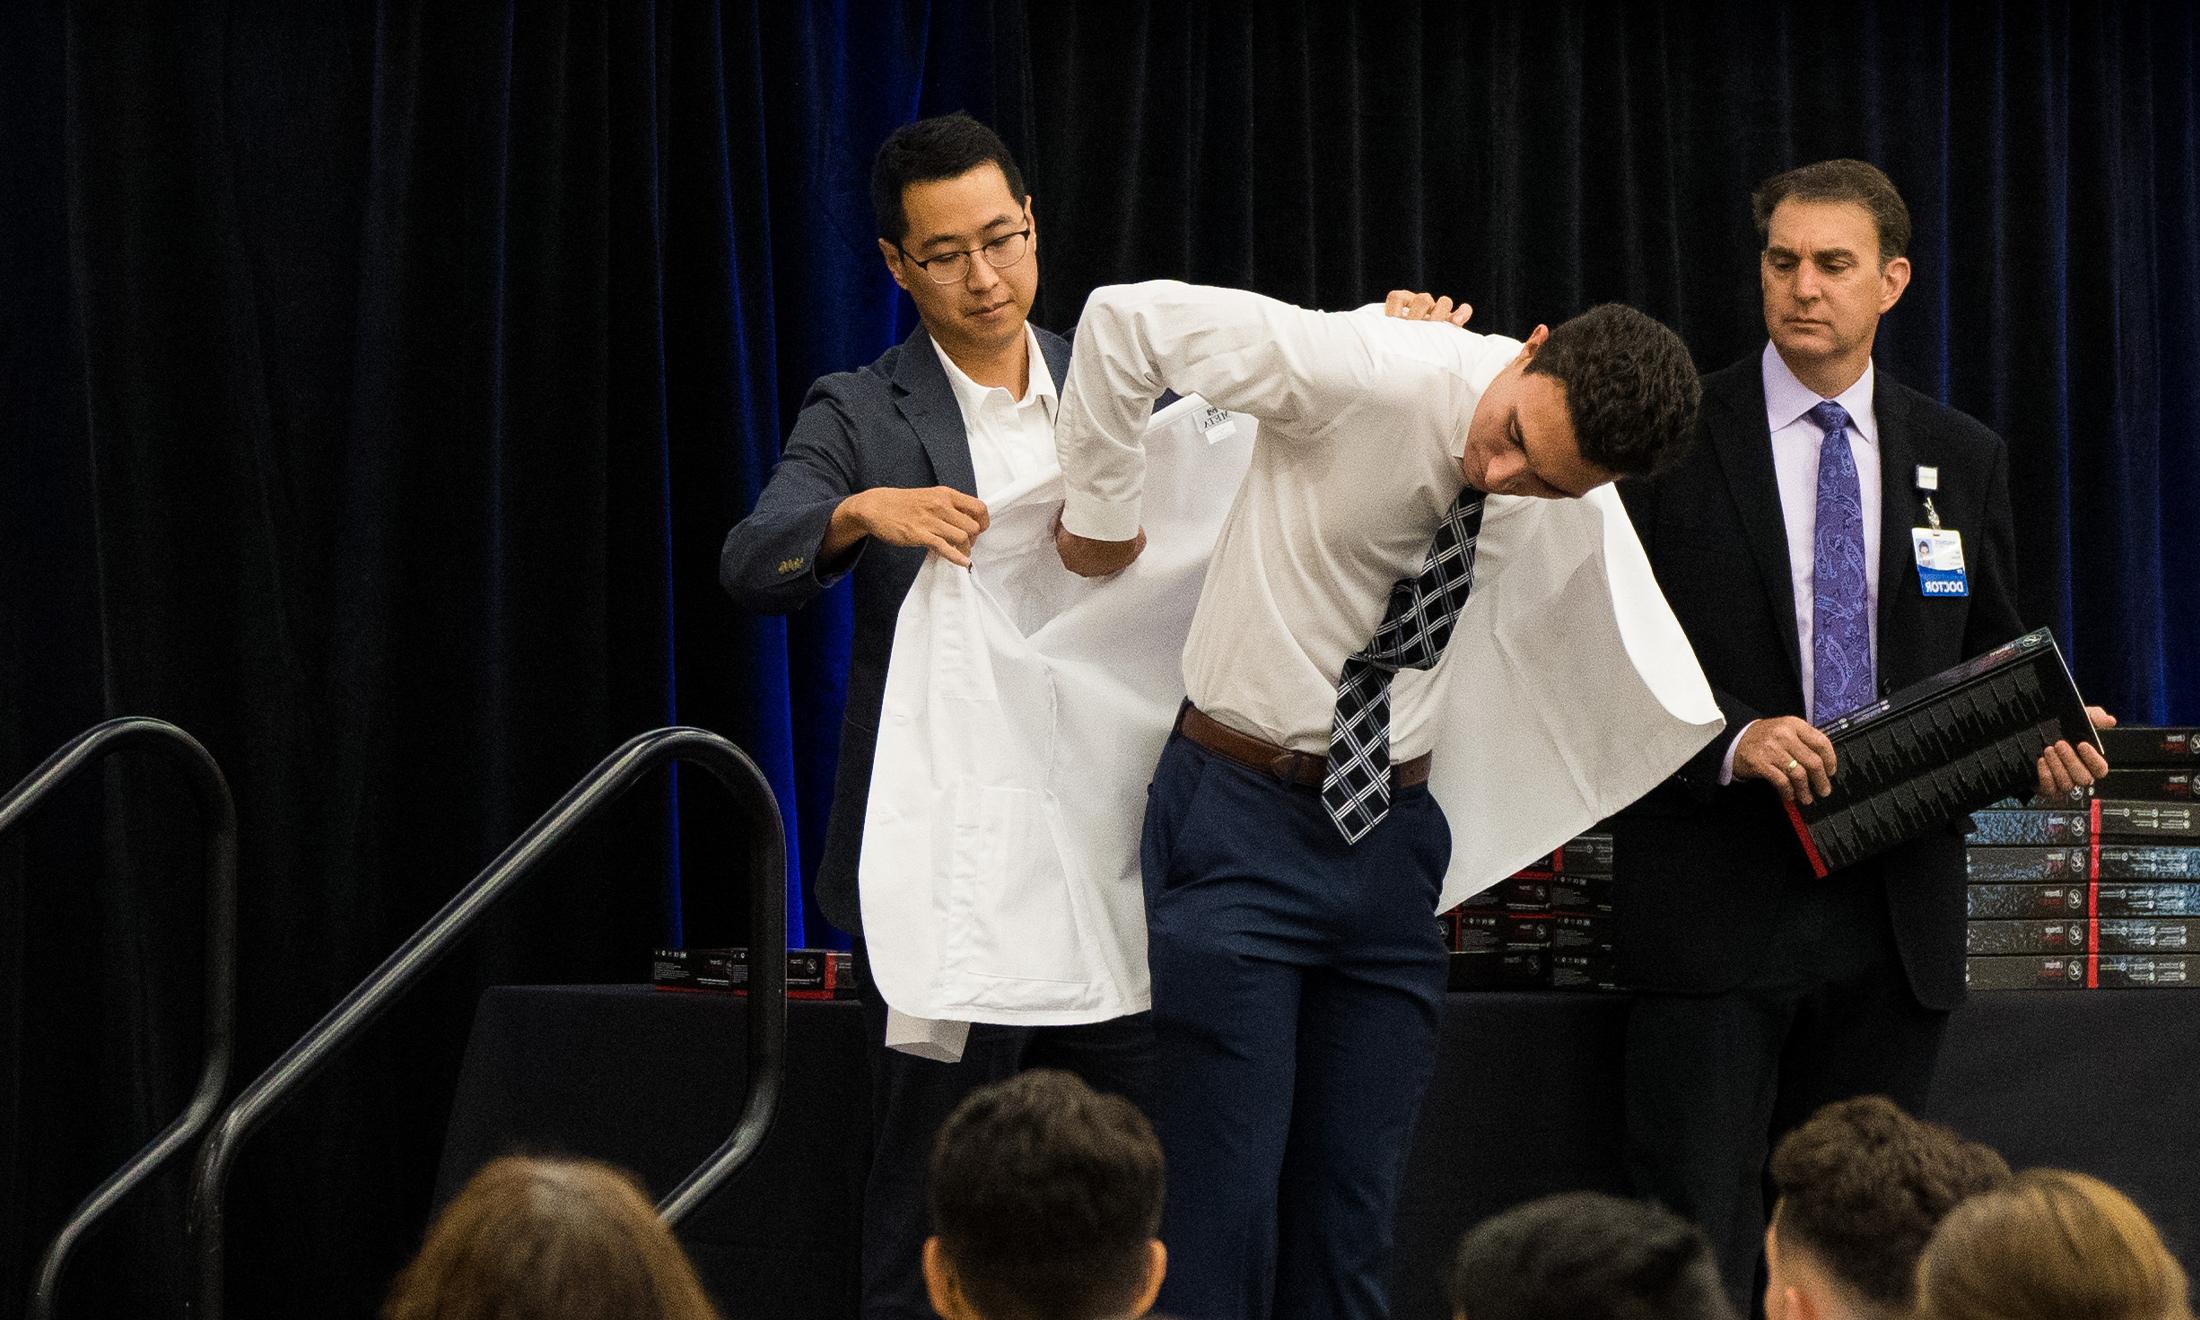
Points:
(1744, 444)
(1897, 574)
(1055, 350)
(927, 403)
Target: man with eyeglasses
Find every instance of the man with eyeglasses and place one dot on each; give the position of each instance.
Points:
(886, 464)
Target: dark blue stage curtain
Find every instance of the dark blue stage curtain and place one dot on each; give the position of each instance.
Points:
(381, 380)
(378, 379)
(1535, 159)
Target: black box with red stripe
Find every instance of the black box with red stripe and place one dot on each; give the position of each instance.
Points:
(811, 973)
(2090, 971)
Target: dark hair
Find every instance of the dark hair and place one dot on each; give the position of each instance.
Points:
(570, 1238)
(942, 147)
(1855, 181)
(1587, 1256)
(1862, 1186)
(2049, 1246)
(1046, 1196)
(1631, 388)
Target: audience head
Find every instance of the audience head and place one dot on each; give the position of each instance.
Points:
(1587, 1256)
(1860, 1189)
(557, 1239)
(1046, 1199)
(2050, 1245)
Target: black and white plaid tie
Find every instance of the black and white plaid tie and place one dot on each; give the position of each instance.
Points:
(1423, 608)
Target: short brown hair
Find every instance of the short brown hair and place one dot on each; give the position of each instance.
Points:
(1855, 181)
(575, 1239)
(2052, 1245)
(1046, 1196)
(1862, 1186)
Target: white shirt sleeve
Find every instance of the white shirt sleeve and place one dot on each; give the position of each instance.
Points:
(1239, 351)
(1726, 765)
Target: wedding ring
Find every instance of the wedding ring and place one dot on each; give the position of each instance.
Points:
(1792, 764)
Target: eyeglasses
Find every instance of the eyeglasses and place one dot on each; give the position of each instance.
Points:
(954, 267)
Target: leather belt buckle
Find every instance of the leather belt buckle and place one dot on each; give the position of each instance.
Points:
(1285, 767)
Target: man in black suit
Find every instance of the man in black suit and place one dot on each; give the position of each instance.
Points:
(1784, 544)
(885, 465)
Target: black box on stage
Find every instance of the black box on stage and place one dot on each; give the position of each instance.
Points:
(1481, 930)
(1936, 750)
(1584, 854)
(2114, 935)
(1582, 893)
(1501, 969)
(1580, 970)
(2030, 826)
(811, 973)
(2104, 971)
(2105, 861)
(2026, 902)
(2062, 902)
(2133, 746)
(1520, 893)
(2112, 820)
(1987, 866)
(2145, 784)
(2129, 821)
(1582, 932)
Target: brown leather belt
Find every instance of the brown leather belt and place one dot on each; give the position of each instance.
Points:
(1305, 768)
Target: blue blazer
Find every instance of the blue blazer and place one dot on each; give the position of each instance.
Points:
(892, 423)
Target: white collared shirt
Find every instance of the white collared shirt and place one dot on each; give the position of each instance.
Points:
(1011, 439)
(1796, 441)
(1362, 420)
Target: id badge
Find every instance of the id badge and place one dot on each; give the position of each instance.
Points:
(1940, 561)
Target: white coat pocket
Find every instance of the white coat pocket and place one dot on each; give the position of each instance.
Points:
(1012, 912)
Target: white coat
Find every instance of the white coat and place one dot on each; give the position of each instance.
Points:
(1025, 709)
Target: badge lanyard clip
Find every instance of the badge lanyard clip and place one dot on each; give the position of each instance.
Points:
(1928, 481)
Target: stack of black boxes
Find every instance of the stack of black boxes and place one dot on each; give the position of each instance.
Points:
(2101, 892)
(1548, 925)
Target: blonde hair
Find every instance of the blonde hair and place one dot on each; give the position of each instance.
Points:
(549, 1239)
(2052, 1245)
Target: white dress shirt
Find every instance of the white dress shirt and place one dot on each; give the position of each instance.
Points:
(1796, 441)
(1011, 439)
(1362, 421)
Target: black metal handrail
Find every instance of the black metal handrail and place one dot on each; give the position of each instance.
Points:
(218, 811)
(618, 772)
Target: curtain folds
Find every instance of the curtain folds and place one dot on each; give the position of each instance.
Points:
(380, 379)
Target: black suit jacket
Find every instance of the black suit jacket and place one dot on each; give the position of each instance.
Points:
(892, 423)
(1703, 867)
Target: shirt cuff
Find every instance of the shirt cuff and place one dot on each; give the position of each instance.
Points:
(1726, 767)
(1097, 519)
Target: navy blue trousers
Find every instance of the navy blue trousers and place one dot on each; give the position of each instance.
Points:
(1297, 983)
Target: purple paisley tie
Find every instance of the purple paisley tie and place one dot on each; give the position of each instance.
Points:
(1841, 640)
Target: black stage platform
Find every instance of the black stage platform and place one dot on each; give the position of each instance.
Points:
(1525, 1101)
